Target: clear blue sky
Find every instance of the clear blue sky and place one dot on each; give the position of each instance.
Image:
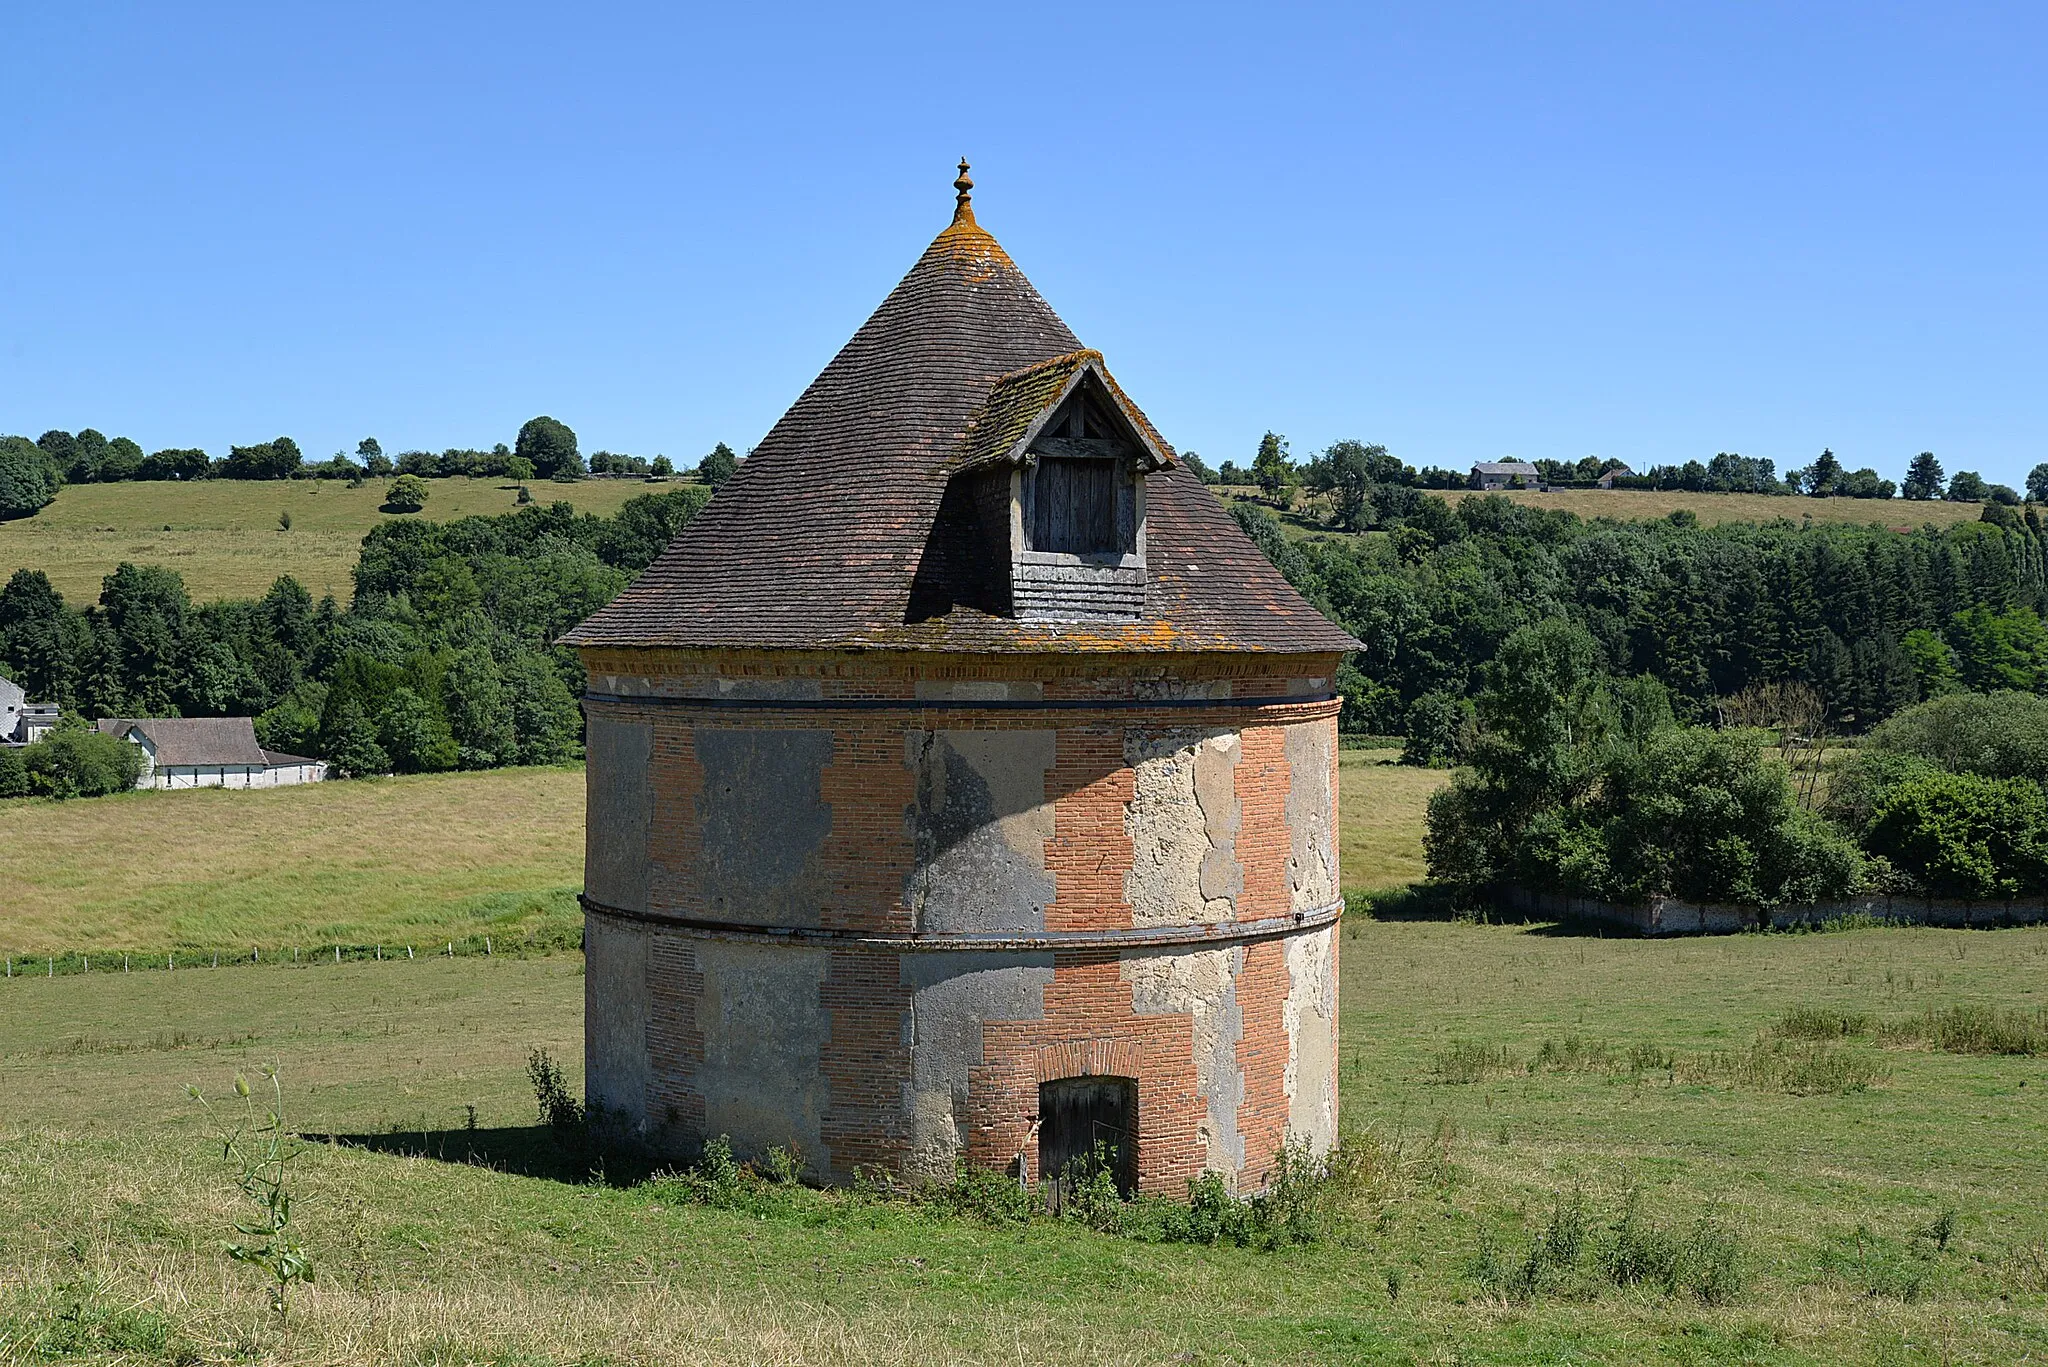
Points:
(1651, 231)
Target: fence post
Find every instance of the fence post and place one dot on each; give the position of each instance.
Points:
(337, 954)
(408, 951)
(53, 967)
(124, 963)
(216, 958)
(380, 954)
(487, 946)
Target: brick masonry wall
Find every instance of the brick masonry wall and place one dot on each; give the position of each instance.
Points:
(862, 1004)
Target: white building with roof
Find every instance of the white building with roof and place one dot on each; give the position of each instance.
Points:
(23, 722)
(1504, 474)
(209, 752)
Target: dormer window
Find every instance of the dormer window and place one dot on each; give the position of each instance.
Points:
(1044, 517)
(1080, 487)
(1074, 510)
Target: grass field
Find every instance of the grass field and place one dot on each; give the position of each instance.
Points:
(1379, 815)
(1639, 505)
(1494, 1075)
(1642, 505)
(111, 1203)
(223, 535)
(427, 858)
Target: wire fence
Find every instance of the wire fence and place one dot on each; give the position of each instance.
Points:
(554, 940)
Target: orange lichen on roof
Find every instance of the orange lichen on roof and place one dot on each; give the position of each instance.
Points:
(1019, 399)
(1015, 402)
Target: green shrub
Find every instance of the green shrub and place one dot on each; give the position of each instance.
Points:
(407, 494)
(1963, 835)
(1998, 735)
(74, 762)
(13, 773)
(28, 480)
(1691, 812)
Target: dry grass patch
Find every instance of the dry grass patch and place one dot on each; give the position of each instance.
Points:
(223, 535)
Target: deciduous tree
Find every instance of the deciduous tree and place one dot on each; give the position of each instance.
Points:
(551, 446)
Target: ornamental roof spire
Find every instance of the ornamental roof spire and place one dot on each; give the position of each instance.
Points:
(963, 210)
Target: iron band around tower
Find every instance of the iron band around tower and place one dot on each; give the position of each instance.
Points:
(953, 704)
(1215, 935)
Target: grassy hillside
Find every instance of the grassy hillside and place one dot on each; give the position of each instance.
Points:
(223, 535)
(1648, 505)
(427, 858)
(1635, 505)
(1379, 818)
(112, 1202)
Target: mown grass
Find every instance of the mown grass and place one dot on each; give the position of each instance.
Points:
(1574, 1211)
(1648, 505)
(422, 859)
(223, 535)
(1381, 806)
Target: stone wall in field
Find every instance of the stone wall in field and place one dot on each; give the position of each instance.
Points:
(863, 906)
(1670, 916)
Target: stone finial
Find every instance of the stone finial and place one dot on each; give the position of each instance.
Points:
(963, 211)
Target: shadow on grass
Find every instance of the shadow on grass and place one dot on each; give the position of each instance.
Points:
(1441, 902)
(521, 1151)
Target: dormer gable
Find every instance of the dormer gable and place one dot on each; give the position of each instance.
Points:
(1047, 499)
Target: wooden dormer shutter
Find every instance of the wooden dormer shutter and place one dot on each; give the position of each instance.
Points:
(1075, 508)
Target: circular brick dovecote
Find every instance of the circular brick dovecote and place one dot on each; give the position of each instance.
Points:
(962, 782)
(866, 908)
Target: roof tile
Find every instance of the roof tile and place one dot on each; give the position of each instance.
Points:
(814, 543)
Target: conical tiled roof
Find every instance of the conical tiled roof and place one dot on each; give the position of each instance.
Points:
(815, 542)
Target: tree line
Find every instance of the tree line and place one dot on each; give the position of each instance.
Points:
(1580, 784)
(1345, 477)
(443, 659)
(31, 472)
(1873, 620)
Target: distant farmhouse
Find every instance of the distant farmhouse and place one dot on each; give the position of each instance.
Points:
(1505, 474)
(21, 721)
(1606, 480)
(209, 752)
